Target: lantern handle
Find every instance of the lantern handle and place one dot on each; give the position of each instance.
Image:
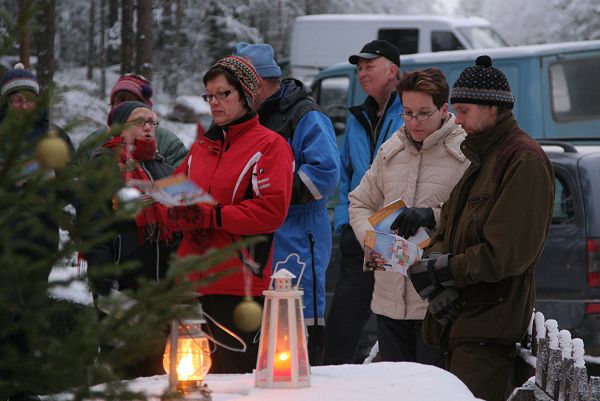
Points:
(284, 262)
(226, 330)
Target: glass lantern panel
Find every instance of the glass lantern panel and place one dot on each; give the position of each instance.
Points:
(193, 358)
(265, 334)
(301, 343)
(282, 362)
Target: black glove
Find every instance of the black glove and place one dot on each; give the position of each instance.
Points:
(408, 222)
(445, 305)
(427, 275)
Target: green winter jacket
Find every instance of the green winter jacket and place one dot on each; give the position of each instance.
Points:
(494, 224)
(167, 143)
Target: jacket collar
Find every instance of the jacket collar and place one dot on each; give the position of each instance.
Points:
(478, 146)
(449, 134)
(242, 124)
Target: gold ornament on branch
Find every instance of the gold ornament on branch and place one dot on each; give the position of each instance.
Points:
(53, 152)
(247, 315)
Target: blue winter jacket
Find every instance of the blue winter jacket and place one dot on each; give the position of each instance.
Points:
(360, 147)
(307, 229)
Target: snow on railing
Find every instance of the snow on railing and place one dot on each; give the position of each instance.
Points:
(560, 372)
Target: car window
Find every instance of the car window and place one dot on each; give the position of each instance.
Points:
(332, 95)
(563, 212)
(574, 95)
(444, 40)
(482, 37)
(406, 40)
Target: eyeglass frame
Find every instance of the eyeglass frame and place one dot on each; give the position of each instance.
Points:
(141, 122)
(22, 99)
(420, 117)
(219, 96)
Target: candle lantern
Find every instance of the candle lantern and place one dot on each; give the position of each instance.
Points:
(187, 357)
(282, 354)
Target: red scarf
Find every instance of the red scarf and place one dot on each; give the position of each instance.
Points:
(146, 220)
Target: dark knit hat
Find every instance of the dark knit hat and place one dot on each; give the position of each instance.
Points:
(482, 84)
(377, 48)
(120, 113)
(243, 70)
(18, 79)
(136, 84)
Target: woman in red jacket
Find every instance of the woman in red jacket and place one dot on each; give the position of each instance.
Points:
(248, 169)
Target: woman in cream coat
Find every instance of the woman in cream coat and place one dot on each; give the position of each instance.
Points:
(420, 163)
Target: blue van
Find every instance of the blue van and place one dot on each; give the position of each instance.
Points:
(555, 85)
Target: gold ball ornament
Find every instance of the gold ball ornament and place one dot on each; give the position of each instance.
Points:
(247, 315)
(52, 152)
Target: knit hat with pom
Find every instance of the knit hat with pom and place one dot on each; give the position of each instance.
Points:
(243, 70)
(482, 84)
(136, 84)
(18, 79)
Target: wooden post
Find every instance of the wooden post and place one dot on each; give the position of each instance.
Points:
(578, 389)
(541, 362)
(566, 380)
(554, 370)
(594, 389)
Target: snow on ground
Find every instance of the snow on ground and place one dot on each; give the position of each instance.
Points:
(377, 381)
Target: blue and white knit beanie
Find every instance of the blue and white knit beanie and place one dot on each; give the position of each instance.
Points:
(18, 79)
(482, 84)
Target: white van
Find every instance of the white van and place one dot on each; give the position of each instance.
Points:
(319, 41)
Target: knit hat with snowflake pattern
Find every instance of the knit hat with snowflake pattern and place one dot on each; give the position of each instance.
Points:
(482, 84)
(245, 73)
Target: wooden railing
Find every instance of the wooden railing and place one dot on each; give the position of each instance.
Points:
(560, 372)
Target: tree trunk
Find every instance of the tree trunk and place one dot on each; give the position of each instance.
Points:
(91, 48)
(102, 49)
(112, 52)
(25, 27)
(127, 37)
(143, 54)
(168, 43)
(46, 65)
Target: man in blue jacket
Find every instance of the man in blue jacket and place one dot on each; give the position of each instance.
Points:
(369, 126)
(285, 106)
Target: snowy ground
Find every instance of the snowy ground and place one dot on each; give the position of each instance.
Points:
(378, 381)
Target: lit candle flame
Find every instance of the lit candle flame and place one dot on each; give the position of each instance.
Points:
(185, 367)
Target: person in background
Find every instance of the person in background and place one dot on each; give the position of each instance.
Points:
(369, 126)
(132, 87)
(478, 268)
(19, 92)
(248, 170)
(420, 163)
(36, 236)
(144, 240)
(285, 106)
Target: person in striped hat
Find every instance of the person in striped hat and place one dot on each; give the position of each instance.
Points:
(19, 91)
(248, 170)
(478, 269)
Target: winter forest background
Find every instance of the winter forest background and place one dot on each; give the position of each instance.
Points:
(174, 41)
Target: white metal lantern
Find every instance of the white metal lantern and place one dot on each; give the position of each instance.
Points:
(282, 353)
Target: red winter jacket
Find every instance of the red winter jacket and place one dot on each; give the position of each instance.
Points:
(249, 171)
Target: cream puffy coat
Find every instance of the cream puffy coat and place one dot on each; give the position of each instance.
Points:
(422, 178)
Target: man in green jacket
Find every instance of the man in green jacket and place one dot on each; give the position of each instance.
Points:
(131, 87)
(478, 270)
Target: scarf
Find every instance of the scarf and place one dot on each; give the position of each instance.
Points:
(146, 220)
